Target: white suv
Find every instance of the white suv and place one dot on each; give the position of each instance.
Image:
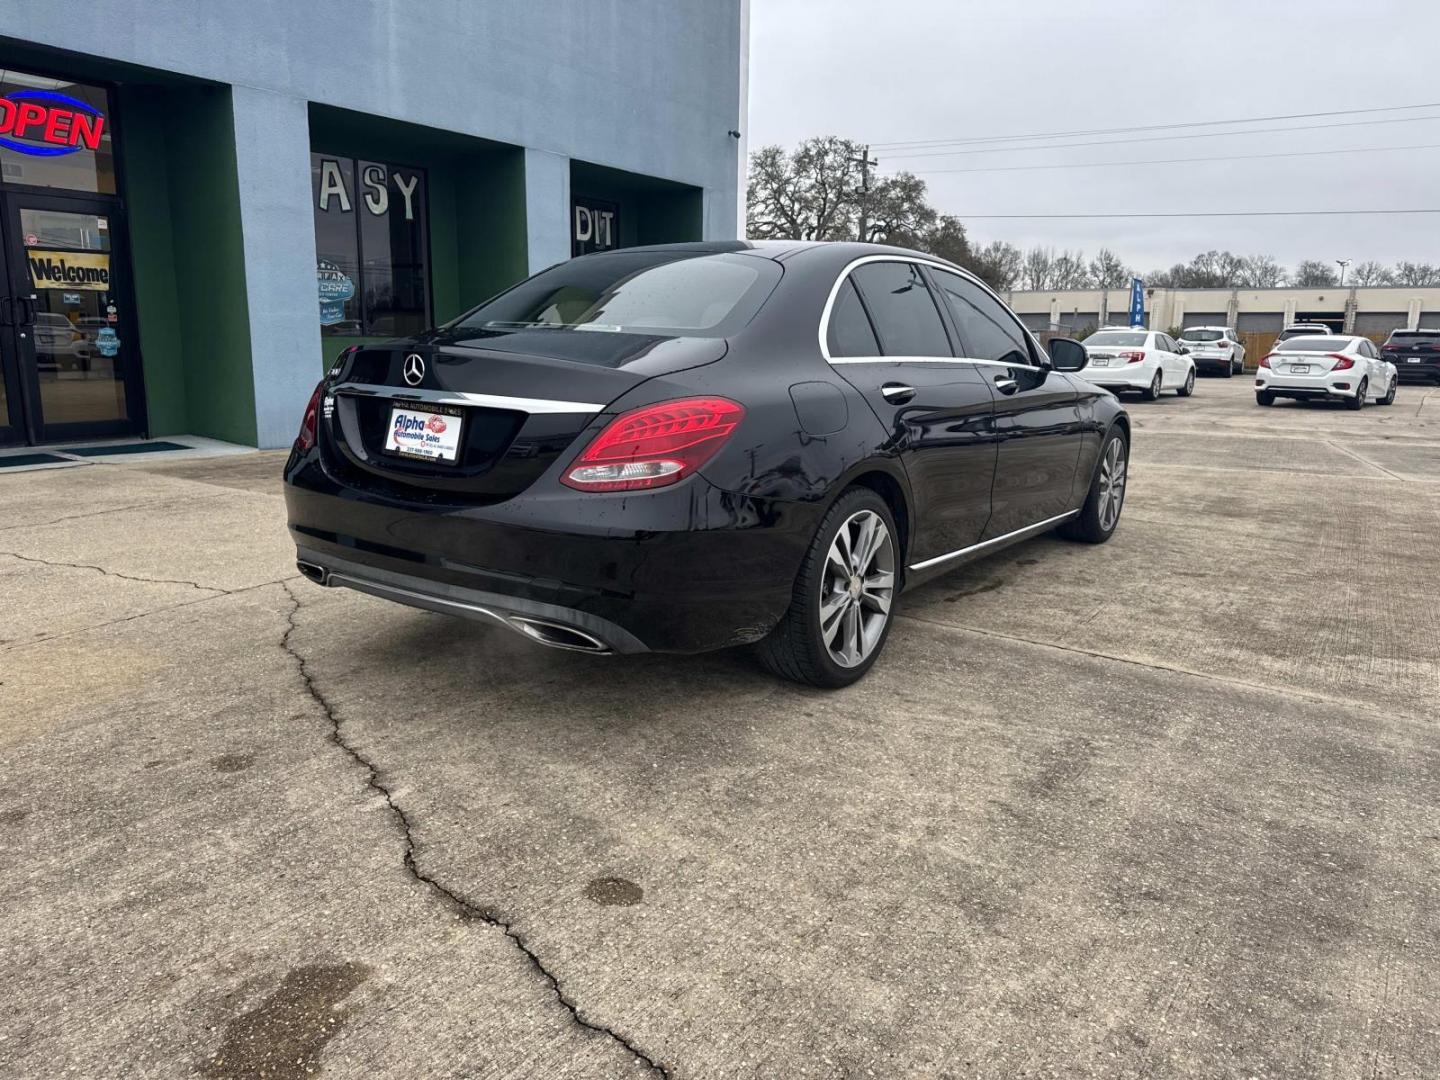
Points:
(1214, 348)
(1333, 368)
(1143, 360)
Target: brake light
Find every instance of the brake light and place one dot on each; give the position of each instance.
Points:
(655, 446)
(1342, 363)
(308, 423)
(1132, 356)
(1265, 361)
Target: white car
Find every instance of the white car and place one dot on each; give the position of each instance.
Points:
(1304, 329)
(1214, 347)
(1329, 368)
(1143, 360)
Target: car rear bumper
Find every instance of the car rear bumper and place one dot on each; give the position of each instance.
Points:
(1340, 384)
(683, 569)
(1126, 377)
(1425, 371)
(1212, 363)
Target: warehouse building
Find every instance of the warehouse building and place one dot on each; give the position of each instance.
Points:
(201, 204)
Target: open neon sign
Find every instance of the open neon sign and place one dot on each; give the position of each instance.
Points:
(60, 123)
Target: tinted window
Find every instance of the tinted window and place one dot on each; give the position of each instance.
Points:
(1409, 337)
(670, 294)
(850, 333)
(987, 330)
(1316, 343)
(1203, 335)
(903, 309)
(1106, 340)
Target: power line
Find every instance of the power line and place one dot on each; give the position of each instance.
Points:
(1201, 214)
(1168, 138)
(1146, 127)
(1179, 161)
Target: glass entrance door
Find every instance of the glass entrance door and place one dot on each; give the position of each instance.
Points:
(66, 326)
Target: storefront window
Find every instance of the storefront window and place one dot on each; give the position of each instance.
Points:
(55, 133)
(372, 273)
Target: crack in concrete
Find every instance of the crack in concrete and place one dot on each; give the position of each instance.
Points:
(463, 907)
(153, 505)
(115, 573)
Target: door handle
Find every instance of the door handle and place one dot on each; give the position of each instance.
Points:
(897, 393)
(27, 309)
(7, 311)
(1005, 384)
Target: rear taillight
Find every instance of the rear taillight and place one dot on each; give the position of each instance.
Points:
(654, 446)
(308, 423)
(1265, 361)
(1342, 363)
(1132, 357)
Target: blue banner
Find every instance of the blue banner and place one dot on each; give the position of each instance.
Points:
(1137, 303)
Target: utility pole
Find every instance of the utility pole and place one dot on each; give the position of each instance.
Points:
(1342, 263)
(866, 163)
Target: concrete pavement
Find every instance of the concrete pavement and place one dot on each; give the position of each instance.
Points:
(1161, 808)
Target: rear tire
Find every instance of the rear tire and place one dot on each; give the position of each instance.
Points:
(1100, 515)
(824, 617)
(1229, 370)
(1264, 397)
(1152, 392)
(1356, 403)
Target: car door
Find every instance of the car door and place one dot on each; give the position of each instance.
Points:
(1170, 360)
(1037, 414)
(884, 333)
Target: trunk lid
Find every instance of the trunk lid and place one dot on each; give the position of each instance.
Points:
(520, 401)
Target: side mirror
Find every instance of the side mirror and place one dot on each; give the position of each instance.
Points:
(1067, 354)
(1183, 350)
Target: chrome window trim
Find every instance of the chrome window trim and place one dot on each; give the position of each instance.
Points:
(934, 264)
(534, 406)
(1039, 526)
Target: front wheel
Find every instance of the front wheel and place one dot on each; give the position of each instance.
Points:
(1189, 387)
(1356, 403)
(1101, 513)
(1389, 398)
(842, 607)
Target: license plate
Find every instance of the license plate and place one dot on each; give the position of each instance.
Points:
(424, 434)
(1299, 369)
(1100, 361)
(1412, 360)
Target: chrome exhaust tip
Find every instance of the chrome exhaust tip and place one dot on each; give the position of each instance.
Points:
(314, 571)
(558, 636)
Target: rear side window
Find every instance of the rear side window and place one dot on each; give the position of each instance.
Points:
(850, 333)
(905, 314)
(987, 330)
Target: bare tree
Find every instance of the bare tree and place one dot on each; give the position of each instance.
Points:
(1371, 273)
(1416, 275)
(1261, 272)
(999, 263)
(1070, 271)
(1108, 271)
(1038, 268)
(1314, 274)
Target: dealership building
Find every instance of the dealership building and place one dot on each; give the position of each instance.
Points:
(201, 204)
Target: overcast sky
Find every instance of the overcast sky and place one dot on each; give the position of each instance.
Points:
(884, 72)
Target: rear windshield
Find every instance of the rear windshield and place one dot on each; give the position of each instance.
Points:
(1203, 335)
(1286, 335)
(1408, 337)
(1315, 343)
(1107, 339)
(665, 294)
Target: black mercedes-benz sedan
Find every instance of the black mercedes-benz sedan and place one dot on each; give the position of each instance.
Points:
(696, 446)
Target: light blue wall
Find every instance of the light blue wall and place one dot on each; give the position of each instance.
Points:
(646, 86)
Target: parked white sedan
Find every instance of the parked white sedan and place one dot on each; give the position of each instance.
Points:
(1328, 368)
(1143, 360)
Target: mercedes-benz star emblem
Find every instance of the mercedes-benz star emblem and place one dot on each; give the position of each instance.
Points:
(414, 369)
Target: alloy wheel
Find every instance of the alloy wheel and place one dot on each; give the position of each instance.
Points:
(859, 587)
(1190, 383)
(1112, 484)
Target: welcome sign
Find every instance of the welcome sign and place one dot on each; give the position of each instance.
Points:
(88, 270)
